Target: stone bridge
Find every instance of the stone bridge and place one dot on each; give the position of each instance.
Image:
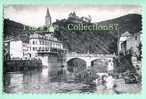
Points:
(88, 58)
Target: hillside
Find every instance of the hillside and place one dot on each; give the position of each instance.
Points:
(130, 22)
(14, 30)
(96, 41)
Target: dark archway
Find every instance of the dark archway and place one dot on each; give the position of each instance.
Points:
(76, 65)
(99, 65)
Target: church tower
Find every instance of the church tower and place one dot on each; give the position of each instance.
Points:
(48, 18)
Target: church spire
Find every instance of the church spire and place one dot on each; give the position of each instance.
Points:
(48, 18)
(48, 13)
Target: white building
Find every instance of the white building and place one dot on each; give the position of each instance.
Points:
(19, 50)
(44, 43)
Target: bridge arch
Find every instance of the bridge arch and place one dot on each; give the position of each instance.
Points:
(76, 65)
(100, 65)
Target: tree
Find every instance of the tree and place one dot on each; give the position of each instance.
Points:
(113, 46)
(139, 57)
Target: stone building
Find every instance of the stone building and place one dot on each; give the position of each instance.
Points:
(130, 45)
(129, 41)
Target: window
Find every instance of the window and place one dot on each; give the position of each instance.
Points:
(33, 42)
(33, 48)
(135, 37)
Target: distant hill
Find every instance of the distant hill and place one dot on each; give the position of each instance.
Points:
(14, 30)
(130, 22)
(96, 41)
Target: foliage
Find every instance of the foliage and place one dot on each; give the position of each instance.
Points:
(140, 52)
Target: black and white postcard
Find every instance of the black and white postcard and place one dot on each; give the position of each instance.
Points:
(72, 49)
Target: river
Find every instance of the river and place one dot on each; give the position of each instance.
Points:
(38, 81)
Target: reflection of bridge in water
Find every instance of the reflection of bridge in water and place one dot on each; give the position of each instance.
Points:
(88, 58)
(77, 64)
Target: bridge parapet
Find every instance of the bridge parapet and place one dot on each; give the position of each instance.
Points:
(89, 55)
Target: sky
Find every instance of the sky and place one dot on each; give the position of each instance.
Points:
(34, 15)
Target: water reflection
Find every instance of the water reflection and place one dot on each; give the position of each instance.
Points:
(25, 81)
(38, 81)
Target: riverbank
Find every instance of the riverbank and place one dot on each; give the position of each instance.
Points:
(21, 65)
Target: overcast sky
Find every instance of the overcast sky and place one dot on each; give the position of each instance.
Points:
(35, 15)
